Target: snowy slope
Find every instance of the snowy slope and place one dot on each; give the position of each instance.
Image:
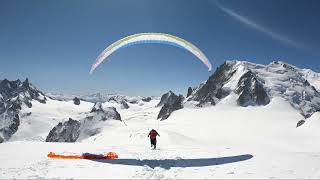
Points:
(45, 116)
(223, 141)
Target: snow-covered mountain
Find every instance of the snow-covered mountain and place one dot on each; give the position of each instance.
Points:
(15, 95)
(239, 83)
(26, 113)
(312, 77)
(74, 130)
(256, 84)
(243, 122)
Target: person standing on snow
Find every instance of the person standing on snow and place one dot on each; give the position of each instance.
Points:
(153, 138)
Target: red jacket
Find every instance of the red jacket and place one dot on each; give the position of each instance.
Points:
(153, 134)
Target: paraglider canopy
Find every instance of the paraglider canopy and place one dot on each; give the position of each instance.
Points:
(160, 38)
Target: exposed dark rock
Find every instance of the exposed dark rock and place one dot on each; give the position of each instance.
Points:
(189, 91)
(133, 101)
(65, 132)
(105, 113)
(16, 122)
(300, 123)
(76, 101)
(146, 99)
(72, 130)
(212, 90)
(114, 98)
(251, 91)
(112, 113)
(14, 105)
(13, 96)
(97, 107)
(2, 107)
(168, 97)
(27, 103)
(306, 83)
(171, 106)
(15, 93)
(124, 105)
(9, 89)
(11, 118)
(30, 92)
(25, 114)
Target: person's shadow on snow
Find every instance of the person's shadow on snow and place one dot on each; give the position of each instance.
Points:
(169, 163)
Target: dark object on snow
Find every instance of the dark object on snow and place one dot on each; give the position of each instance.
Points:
(76, 101)
(300, 123)
(170, 106)
(146, 99)
(153, 138)
(65, 132)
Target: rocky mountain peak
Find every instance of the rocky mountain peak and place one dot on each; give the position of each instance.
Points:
(213, 90)
(13, 96)
(167, 97)
(251, 91)
(256, 84)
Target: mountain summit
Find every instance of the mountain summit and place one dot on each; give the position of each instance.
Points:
(256, 84)
(13, 96)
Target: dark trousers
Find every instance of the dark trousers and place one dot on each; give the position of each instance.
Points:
(153, 142)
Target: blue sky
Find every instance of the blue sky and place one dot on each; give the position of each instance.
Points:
(54, 43)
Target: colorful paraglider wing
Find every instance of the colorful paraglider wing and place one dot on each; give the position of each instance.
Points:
(151, 38)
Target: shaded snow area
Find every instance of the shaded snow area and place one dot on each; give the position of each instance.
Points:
(222, 141)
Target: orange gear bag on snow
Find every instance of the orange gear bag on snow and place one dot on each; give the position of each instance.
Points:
(109, 155)
(112, 155)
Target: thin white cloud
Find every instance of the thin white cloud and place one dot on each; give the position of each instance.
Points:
(260, 28)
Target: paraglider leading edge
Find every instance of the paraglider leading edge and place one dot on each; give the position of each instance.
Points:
(143, 38)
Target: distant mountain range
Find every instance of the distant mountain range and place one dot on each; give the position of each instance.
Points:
(97, 97)
(253, 85)
(247, 83)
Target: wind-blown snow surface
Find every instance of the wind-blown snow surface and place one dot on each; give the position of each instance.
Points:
(223, 141)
